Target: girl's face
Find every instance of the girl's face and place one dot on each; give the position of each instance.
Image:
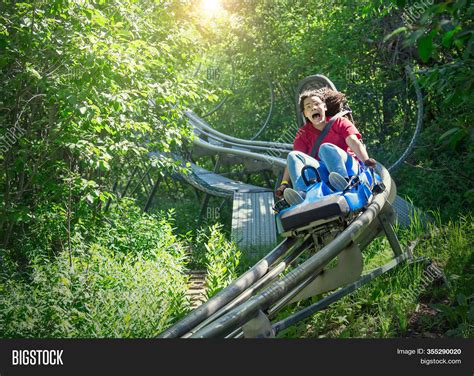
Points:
(315, 110)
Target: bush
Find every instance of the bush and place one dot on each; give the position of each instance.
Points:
(128, 282)
(222, 259)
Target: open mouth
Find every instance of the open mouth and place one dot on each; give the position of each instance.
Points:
(316, 116)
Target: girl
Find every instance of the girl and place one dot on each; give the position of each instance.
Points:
(338, 154)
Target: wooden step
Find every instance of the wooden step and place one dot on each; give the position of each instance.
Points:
(197, 287)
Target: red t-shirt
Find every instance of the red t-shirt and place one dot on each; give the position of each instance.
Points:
(340, 130)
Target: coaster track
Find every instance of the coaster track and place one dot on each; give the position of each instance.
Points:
(248, 305)
(257, 295)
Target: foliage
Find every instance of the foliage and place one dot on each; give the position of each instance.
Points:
(385, 307)
(363, 47)
(439, 37)
(459, 316)
(114, 285)
(88, 88)
(222, 259)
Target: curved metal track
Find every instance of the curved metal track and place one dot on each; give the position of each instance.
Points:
(242, 283)
(419, 121)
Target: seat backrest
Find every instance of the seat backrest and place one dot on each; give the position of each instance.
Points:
(315, 82)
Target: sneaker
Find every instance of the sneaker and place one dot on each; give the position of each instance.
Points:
(293, 197)
(338, 182)
(280, 205)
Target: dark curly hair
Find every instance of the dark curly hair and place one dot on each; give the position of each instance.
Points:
(334, 100)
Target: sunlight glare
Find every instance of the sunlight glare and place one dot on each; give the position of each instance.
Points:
(211, 7)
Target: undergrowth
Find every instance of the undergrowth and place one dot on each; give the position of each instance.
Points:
(385, 307)
(127, 280)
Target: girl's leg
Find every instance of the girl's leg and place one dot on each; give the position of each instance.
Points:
(337, 160)
(296, 161)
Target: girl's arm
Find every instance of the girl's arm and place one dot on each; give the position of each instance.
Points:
(359, 149)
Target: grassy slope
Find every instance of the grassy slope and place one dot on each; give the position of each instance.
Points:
(405, 302)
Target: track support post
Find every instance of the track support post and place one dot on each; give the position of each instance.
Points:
(390, 234)
(152, 194)
(205, 200)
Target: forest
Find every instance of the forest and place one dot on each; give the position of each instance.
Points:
(92, 89)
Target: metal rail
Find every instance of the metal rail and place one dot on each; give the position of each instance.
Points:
(249, 146)
(202, 124)
(267, 159)
(419, 121)
(230, 292)
(272, 274)
(270, 111)
(235, 305)
(325, 302)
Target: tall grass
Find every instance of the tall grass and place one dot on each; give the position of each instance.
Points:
(386, 306)
(221, 258)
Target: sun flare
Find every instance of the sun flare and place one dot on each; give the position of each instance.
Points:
(211, 7)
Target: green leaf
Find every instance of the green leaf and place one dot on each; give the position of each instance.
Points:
(469, 195)
(33, 72)
(425, 46)
(461, 299)
(470, 315)
(448, 37)
(453, 137)
(449, 133)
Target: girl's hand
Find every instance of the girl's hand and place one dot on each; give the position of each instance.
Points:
(280, 189)
(370, 162)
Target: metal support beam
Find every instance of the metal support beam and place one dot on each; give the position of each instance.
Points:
(196, 193)
(283, 302)
(204, 204)
(348, 269)
(140, 182)
(145, 187)
(109, 201)
(150, 180)
(325, 302)
(129, 182)
(391, 235)
(206, 198)
(152, 194)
